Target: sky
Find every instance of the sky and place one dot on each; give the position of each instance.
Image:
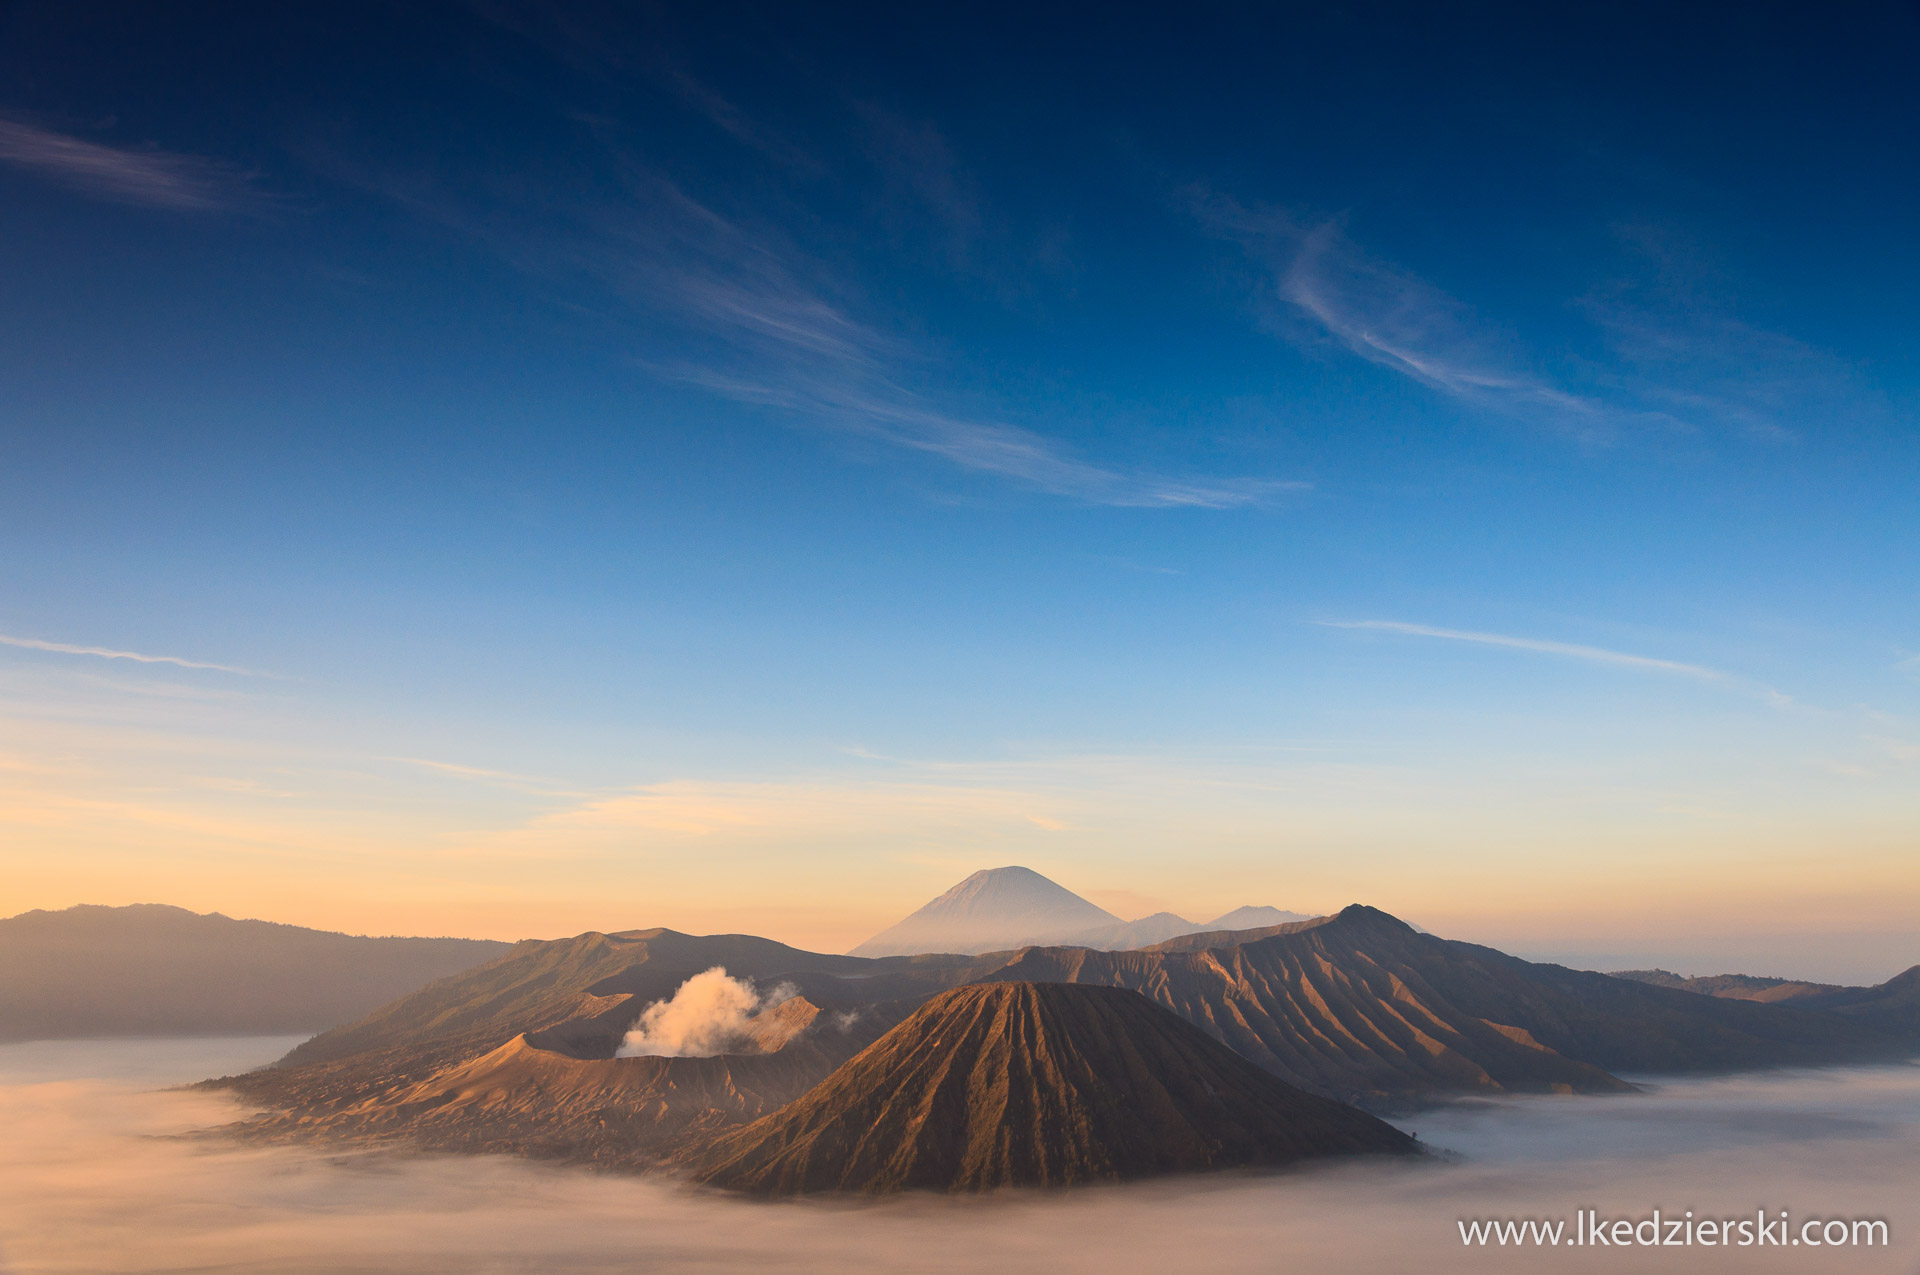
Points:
(510, 470)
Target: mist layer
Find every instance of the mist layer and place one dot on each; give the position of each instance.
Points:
(94, 1178)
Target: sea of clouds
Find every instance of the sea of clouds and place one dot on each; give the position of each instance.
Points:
(95, 1177)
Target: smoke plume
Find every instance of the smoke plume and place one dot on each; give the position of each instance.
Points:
(709, 1014)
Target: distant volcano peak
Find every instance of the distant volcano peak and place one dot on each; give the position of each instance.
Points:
(1001, 909)
(1013, 885)
(993, 909)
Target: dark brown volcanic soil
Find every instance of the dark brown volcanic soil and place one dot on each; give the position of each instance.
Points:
(1035, 1084)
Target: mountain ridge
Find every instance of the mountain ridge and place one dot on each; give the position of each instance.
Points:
(1745, 987)
(1362, 1007)
(1035, 1084)
(155, 969)
(1358, 1007)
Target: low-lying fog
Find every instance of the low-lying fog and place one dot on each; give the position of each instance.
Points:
(85, 1185)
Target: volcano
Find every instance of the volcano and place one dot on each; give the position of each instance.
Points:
(1358, 1008)
(1035, 1084)
(995, 909)
(1004, 909)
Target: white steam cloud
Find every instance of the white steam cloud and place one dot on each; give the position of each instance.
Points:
(710, 1014)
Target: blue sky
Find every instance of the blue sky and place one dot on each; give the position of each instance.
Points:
(746, 467)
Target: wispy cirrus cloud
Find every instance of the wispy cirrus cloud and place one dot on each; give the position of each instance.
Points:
(131, 175)
(784, 343)
(873, 406)
(1389, 316)
(728, 302)
(750, 317)
(506, 778)
(921, 172)
(1715, 372)
(1573, 650)
(109, 653)
(1662, 353)
(1576, 651)
(703, 99)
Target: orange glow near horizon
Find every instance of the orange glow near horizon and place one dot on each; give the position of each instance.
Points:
(256, 802)
(826, 859)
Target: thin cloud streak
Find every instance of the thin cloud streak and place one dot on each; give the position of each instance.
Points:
(1389, 317)
(1596, 654)
(703, 100)
(761, 323)
(522, 783)
(1681, 357)
(150, 177)
(885, 411)
(1666, 360)
(784, 344)
(108, 653)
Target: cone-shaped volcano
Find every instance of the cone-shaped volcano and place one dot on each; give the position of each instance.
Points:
(1035, 1084)
(992, 910)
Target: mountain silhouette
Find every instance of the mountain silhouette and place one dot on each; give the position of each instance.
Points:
(1890, 1006)
(1035, 1084)
(1252, 918)
(1143, 932)
(1739, 987)
(149, 969)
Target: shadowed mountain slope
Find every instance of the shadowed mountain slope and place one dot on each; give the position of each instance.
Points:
(151, 970)
(539, 984)
(579, 995)
(1035, 1084)
(1363, 1008)
(1890, 1006)
(1358, 1007)
(541, 1094)
(1733, 987)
